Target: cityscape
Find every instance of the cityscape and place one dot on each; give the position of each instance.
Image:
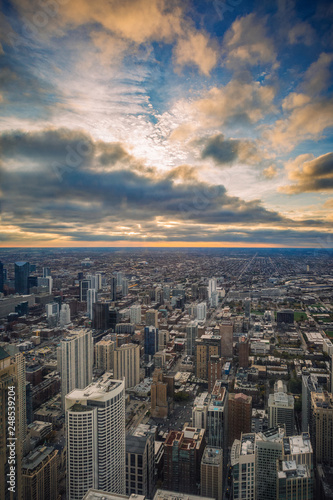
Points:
(166, 373)
(166, 250)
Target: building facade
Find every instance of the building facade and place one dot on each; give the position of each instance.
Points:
(95, 436)
(75, 361)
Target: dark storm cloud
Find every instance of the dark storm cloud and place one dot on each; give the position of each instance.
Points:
(87, 196)
(226, 151)
(140, 193)
(222, 151)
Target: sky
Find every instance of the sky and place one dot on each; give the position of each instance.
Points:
(166, 123)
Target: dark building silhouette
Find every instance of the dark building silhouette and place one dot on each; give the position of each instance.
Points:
(151, 341)
(1, 277)
(100, 315)
(22, 271)
(285, 316)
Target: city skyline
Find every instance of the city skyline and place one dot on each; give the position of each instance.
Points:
(166, 124)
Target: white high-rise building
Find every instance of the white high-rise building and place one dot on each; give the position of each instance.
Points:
(281, 408)
(119, 276)
(91, 299)
(126, 363)
(75, 361)
(135, 314)
(266, 460)
(65, 315)
(98, 281)
(201, 311)
(211, 287)
(52, 309)
(214, 299)
(95, 433)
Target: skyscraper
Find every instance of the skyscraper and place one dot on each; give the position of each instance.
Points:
(75, 361)
(211, 287)
(124, 285)
(52, 309)
(95, 434)
(1, 277)
(91, 299)
(46, 272)
(65, 315)
(182, 458)
(239, 415)
(321, 427)
(150, 341)
(135, 314)
(127, 364)
(206, 346)
(113, 289)
(100, 315)
(140, 465)
(40, 474)
(119, 277)
(247, 307)
(217, 417)
(201, 311)
(85, 285)
(214, 372)
(281, 408)
(22, 270)
(270, 466)
(161, 394)
(104, 355)
(243, 352)
(226, 329)
(12, 389)
(152, 318)
(191, 335)
(212, 473)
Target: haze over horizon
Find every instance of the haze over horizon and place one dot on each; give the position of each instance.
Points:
(153, 123)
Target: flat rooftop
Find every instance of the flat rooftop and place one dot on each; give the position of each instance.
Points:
(294, 445)
(104, 495)
(100, 389)
(212, 456)
(35, 457)
(175, 495)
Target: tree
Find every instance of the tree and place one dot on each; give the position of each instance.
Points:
(295, 385)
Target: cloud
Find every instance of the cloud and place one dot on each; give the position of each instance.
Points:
(301, 32)
(25, 92)
(270, 172)
(196, 50)
(318, 75)
(226, 151)
(126, 25)
(294, 100)
(246, 43)
(87, 196)
(304, 123)
(310, 174)
(235, 102)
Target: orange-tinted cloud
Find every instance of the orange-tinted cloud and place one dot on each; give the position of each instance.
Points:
(310, 174)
